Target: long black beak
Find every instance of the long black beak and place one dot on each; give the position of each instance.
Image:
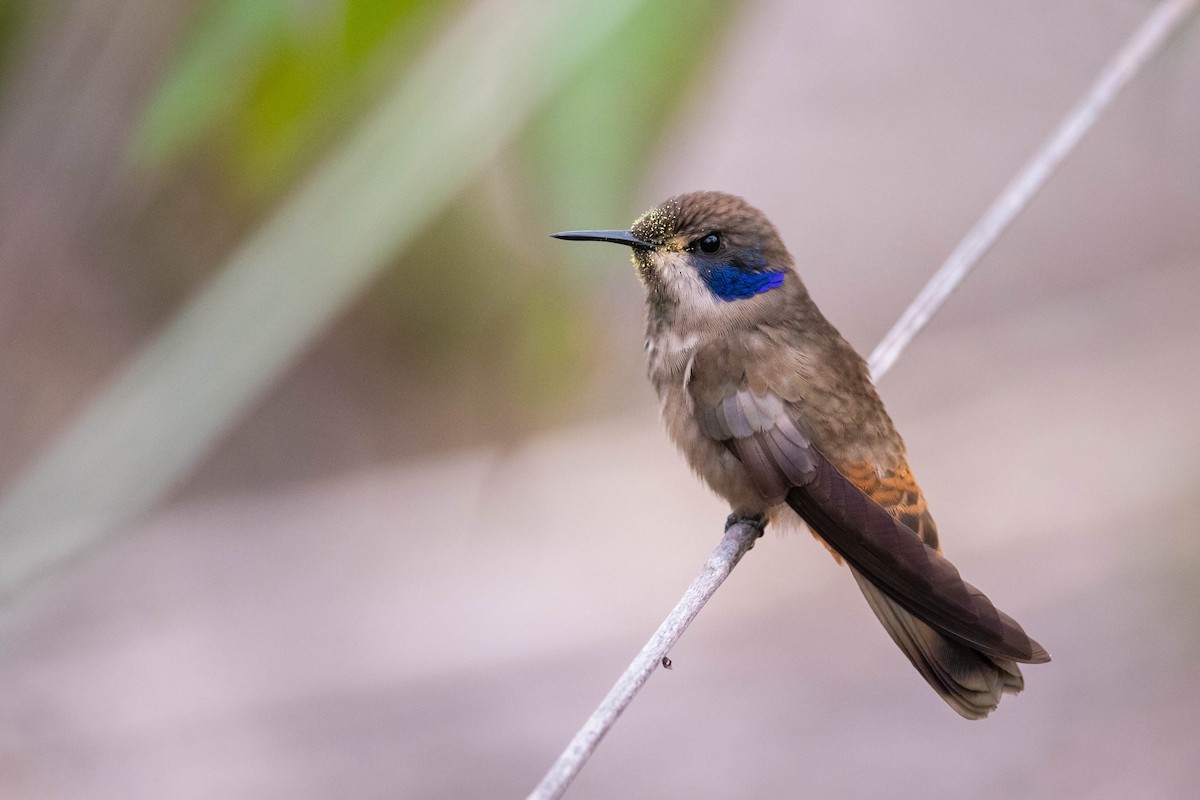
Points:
(617, 237)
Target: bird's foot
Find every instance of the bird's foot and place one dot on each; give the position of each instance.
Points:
(757, 520)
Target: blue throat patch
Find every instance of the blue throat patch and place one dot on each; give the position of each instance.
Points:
(734, 283)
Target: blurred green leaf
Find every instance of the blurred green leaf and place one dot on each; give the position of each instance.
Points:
(230, 41)
(271, 82)
(12, 13)
(369, 23)
(471, 291)
(276, 79)
(444, 122)
(586, 151)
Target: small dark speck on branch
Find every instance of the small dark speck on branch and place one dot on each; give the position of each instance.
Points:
(738, 539)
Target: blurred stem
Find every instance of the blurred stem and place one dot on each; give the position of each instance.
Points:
(445, 119)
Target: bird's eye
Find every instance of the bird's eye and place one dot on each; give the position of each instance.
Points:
(711, 243)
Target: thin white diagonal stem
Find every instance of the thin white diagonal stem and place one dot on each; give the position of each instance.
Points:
(738, 540)
(1166, 18)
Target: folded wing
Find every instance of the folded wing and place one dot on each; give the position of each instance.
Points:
(887, 554)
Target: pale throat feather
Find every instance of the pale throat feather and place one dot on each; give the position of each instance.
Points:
(668, 352)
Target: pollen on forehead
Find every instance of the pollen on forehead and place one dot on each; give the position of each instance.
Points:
(657, 224)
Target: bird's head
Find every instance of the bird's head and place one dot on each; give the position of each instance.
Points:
(707, 259)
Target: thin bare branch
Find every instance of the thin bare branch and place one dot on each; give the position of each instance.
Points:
(738, 540)
(1165, 20)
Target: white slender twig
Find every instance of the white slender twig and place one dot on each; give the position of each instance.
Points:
(736, 542)
(1166, 18)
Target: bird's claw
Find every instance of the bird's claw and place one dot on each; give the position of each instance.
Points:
(757, 520)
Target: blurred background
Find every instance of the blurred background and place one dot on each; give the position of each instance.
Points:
(325, 473)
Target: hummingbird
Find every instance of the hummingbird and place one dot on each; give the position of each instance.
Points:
(777, 413)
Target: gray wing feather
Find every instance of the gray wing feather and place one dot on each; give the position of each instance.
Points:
(765, 439)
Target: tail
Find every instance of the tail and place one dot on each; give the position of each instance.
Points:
(970, 681)
(965, 647)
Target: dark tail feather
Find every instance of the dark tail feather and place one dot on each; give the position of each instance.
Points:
(965, 647)
(969, 681)
(907, 571)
